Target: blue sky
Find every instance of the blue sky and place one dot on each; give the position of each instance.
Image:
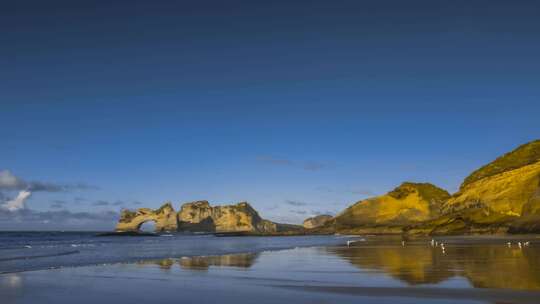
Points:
(297, 108)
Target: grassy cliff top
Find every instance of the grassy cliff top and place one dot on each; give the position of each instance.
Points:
(426, 190)
(524, 155)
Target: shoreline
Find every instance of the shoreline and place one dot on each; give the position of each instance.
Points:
(189, 246)
(381, 271)
(127, 262)
(339, 241)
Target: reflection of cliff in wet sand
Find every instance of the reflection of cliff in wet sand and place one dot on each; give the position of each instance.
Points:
(244, 260)
(412, 264)
(419, 263)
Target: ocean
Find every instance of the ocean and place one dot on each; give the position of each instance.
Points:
(23, 251)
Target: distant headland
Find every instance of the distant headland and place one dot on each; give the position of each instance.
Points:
(500, 197)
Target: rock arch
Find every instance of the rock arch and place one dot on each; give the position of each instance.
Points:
(147, 225)
(164, 217)
(199, 216)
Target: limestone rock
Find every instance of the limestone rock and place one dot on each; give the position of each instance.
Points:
(164, 217)
(316, 221)
(200, 216)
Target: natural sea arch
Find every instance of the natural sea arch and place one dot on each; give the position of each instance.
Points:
(147, 226)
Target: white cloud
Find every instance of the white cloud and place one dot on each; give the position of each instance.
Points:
(8, 180)
(18, 202)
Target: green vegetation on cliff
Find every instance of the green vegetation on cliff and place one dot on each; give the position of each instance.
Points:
(524, 155)
(425, 190)
(502, 196)
(409, 203)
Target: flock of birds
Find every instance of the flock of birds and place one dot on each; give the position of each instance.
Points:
(436, 244)
(520, 245)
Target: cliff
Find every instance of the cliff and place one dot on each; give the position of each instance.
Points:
(502, 196)
(316, 221)
(164, 217)
(200, 216)
(522, 156)
(407, 204)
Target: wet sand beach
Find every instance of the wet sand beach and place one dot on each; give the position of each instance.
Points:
(374, 270)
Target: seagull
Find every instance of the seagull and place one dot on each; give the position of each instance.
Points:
(509, 244)
(403, 243)
(432, 242)
(519, 244)
(527, 243)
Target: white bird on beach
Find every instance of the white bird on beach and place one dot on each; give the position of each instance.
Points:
(519, 244)
(432, 242)
(509, 244)
(403, 243)
(527, 243)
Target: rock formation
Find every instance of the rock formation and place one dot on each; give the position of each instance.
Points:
(164, 217)
(409, 203)
(200, 216)
(316, 221)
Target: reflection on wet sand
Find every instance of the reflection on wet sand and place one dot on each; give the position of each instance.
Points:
(11, 286)
(485, 266)
(245, 260)
(11, 281)
(232, 260)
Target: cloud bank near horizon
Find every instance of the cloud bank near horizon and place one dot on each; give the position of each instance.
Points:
(16, 214)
